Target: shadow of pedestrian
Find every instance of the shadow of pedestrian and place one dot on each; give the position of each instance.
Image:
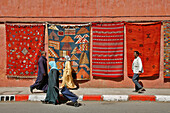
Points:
(73, 104)
(63, 100)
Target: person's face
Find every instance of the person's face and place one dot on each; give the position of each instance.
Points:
(135, 54)
(44, 55)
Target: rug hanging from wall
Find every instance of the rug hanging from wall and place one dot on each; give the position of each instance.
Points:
(107, 50)
(166, 49)
(74, 42)
(144, 38)
(24, 44)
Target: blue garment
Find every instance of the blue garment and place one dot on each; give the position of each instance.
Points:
(135, 80)
(69, 95)
(53, 65)
(41, 82)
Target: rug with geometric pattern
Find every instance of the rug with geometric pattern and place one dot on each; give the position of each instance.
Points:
(166, 49)
(74, 42)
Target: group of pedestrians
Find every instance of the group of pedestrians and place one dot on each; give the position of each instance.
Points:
(49, 83)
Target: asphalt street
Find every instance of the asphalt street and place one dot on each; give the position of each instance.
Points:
(86, 107)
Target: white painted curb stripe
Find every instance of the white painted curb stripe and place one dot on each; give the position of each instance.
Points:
(115, 97)
(42, 97)
(36, 97)
(80, 98)
(163, 98)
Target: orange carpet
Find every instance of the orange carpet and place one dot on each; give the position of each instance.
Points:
(144, 38)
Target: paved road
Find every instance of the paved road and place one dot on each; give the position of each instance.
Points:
(86, 107)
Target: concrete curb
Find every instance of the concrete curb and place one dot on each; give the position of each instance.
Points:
(32, 97)
(36, 97)
(115, 97)
(163, 98)
(142, 98)
(7, 97)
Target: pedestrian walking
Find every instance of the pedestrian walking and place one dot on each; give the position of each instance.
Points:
(52, 96)
(70, 96)
(41, 82)
(137, 70)
(67, 75)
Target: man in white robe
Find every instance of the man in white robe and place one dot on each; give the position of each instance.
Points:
(137, 70)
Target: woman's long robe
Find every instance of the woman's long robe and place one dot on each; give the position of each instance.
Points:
(67, 76)
(52, 95)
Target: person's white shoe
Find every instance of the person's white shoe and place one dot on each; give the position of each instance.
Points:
(140, 90)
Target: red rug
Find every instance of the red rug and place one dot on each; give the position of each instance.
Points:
(107, 51)
(144, 38)
(23, 45)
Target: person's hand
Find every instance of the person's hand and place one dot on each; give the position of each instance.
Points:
(139, 73)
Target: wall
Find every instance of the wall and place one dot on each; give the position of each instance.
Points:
(81, 11)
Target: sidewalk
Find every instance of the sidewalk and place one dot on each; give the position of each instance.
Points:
(88, 94)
